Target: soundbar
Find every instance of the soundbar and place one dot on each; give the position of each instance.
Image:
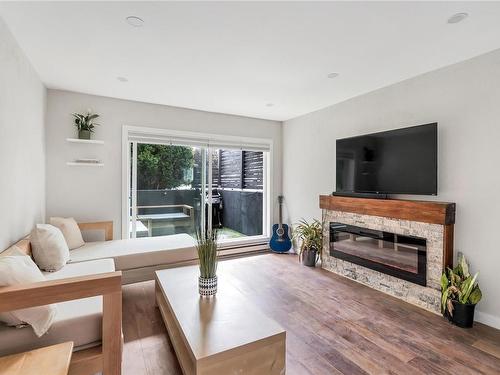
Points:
(361, 195)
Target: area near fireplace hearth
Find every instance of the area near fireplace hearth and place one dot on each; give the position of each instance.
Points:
(399, 247)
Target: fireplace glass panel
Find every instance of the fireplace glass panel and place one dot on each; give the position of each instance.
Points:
(394, 254)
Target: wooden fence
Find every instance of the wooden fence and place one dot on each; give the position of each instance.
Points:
(240, 169)
(234, 169)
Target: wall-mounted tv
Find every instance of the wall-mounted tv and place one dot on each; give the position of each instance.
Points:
(401, 161)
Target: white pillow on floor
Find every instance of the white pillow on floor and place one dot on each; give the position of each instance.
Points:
(17, 269)
(70, 230)
(49, 248)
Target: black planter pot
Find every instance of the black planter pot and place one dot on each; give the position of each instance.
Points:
(463, 314)
(309, 257)
(84, 134)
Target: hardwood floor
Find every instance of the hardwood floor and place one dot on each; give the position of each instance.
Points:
(334, 326)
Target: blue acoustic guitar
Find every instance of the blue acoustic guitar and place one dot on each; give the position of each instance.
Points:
(280, 241)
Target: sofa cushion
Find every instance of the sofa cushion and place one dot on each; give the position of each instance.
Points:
(79, 321)
(70, 230)
(50, 250)
(82, 269)
(139, 252)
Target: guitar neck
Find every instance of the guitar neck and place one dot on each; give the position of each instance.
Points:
(280, 222)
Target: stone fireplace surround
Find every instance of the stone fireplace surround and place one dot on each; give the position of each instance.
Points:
(433, 221)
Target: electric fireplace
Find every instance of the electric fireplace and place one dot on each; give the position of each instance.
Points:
(394, 254)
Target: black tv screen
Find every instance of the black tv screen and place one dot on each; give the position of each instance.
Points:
(402, 161)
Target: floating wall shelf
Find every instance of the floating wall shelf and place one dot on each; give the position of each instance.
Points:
(85, 141)
(80, 164)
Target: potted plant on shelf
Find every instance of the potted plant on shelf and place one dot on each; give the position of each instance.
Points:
(310, 236)
(459, 294)
(85, 124)
(207, 255)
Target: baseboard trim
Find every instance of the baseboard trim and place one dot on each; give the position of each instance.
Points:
(488, 319)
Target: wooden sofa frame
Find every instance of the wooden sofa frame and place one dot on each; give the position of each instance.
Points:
(105, 358)
(106, 226)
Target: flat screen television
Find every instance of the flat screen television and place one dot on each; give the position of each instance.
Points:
(401, 161)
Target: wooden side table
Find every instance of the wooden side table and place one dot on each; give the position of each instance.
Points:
(52, 360)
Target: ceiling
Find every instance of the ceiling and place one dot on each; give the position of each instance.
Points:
(241, 57)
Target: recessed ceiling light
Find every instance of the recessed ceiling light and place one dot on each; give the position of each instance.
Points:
(333, 75)
(456, 18)
(134, 21)
(269, 104)
(122, 79)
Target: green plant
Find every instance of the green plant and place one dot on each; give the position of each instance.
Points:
(207, 253)
(310, 236)
(85, 122)
(459, 285)
(163, 166)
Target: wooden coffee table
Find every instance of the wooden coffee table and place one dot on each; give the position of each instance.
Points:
(53, 360)
(218, 335)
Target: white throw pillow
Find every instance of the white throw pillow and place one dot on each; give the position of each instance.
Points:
(70, 230)
(49, 248)
(20, 269)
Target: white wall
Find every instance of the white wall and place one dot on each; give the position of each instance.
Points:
(96, 193)
(465, 100)
(22, 150)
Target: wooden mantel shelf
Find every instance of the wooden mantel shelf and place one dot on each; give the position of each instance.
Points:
(421, 211)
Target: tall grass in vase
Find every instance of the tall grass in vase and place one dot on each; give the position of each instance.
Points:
(207, 256)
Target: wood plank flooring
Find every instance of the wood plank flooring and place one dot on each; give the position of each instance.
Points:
(334, 326)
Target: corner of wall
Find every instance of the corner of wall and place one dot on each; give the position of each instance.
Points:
(22, 142)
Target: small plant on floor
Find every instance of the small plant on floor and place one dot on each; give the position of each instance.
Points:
(207, 254)
(459, 294)
(310, 237)
(85, 124)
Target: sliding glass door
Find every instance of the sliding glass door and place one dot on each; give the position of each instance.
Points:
(176, 187)
(238, 188)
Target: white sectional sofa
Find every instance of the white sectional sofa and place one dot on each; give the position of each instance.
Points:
(80, 320)
(138, 258)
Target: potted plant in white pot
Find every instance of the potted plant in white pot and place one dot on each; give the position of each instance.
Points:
(85, 124)
(310, 236)
(207, 255)
(459, 294)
